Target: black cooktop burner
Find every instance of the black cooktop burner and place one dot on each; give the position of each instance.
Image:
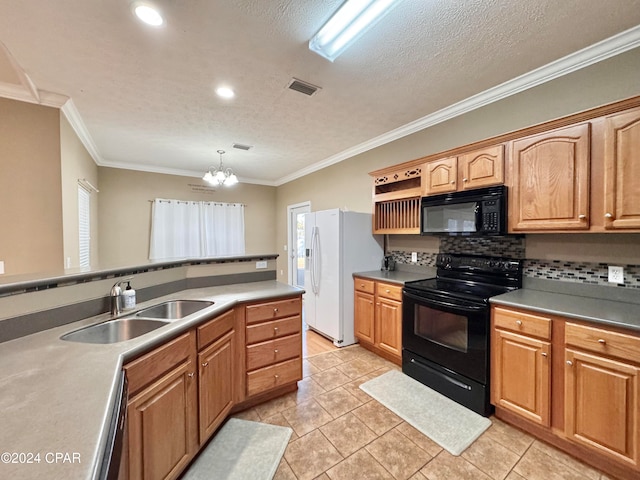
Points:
(471, 276)
(472, 289)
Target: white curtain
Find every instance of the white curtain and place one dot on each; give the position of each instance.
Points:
(181, 229)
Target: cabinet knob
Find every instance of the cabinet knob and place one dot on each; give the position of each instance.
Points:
(519, 322)
(275, 310)
(275, 329)
(569, 362)
(362, 285)
(276, 376)
(388, 291)
(544, 354)
(205, 364)
(582, 217)
(602, 341)
(190, 375)
(465, 180)
(275, 351)
(453, 182)
(608, 215)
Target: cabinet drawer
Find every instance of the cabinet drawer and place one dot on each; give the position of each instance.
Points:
(626, 347)
(521, 322)
(260, 332)
(273, 351)
(274, 376)
(146, 369)
(272, 310)
(362, 285)
(387, 290)
(216, 328)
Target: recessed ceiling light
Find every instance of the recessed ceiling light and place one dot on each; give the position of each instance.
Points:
(148, 14)
(225, 92)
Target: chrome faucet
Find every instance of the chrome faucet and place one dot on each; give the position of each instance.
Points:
(116, 299)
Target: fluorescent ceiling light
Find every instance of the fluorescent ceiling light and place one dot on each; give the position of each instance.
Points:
(148, 14)
(351, 20)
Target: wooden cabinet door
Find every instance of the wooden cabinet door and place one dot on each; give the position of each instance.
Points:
(481, 168)
(622, 170)
(389, 326)
(363, 316)
(550, 175)
(217, 378)
(601, 405)
(521, 380)
(162, 425)
(440, 176)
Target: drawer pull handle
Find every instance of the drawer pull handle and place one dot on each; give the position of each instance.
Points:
(602, 341)
(569, 362)
(205, 364)
(518, 322)
(544, 354)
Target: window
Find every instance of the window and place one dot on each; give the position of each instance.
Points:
(181, 229)
(84, 226)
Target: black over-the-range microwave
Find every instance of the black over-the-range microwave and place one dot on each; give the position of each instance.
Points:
(473, 212)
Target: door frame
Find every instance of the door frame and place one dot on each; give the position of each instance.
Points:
(296, 208)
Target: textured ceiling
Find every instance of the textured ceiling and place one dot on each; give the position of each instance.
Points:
(146, 98)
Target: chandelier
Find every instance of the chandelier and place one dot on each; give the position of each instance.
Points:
(221, 175)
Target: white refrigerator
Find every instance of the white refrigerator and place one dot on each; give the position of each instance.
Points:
(337, 244)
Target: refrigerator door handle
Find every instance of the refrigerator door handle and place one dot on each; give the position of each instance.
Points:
(315, 262)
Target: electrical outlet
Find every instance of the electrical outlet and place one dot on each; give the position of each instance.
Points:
(261, 264)
(616, 274)
(1, 267)
(414, 257)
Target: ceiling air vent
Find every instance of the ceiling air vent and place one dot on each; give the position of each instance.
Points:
(239, 146)
(303, 87)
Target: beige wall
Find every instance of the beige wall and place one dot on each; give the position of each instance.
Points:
(76, 164)
(347, 184)
(30, 188)
(125, 211)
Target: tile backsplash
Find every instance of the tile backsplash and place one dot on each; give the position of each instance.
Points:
(514, 247)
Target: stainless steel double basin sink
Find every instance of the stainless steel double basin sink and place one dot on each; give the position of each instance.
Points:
(138, 323)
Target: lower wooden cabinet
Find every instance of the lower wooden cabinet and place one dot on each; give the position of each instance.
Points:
(378, 317)
(273, 345)
(217, 372)
(586, 402)
(182, 391)
(162, 411)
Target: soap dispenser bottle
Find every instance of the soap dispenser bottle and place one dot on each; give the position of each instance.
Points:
(129, 297)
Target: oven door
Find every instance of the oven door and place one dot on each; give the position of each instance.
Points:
(449, 332)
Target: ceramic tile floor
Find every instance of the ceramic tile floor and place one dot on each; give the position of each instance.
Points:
(339, 432)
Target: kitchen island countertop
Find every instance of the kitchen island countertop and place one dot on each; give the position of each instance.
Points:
(58, 396)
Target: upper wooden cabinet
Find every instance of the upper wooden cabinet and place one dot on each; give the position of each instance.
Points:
(480, 168)
(622, 170)
(550, 180)
(396, 199)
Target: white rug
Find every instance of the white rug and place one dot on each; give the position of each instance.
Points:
(444, 421)
(241, 450)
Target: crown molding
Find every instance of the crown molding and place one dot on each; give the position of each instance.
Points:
(610, 47)
(75, 120)
(176, 171)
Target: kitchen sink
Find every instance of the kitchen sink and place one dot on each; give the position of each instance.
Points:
(174, 309)
(114, 331)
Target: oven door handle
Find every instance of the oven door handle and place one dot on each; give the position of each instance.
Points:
(440, 303)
